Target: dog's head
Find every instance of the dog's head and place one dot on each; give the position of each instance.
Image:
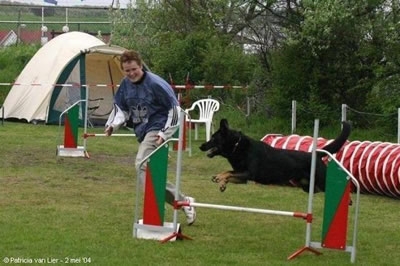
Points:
(222, 142)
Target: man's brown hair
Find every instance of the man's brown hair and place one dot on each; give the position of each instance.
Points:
(130, 55)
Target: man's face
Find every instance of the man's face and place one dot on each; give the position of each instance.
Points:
(132, 70)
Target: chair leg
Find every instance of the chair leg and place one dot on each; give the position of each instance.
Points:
(196, 135)
(89, 123)
(208, 131)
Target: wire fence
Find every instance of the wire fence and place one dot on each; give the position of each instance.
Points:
(38, 24)
(356, 116)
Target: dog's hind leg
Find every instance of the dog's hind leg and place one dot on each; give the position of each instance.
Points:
(237, 180)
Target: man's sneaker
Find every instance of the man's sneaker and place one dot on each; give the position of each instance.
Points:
(190, 212)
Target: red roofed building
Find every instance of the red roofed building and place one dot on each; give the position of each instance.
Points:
(8, 38)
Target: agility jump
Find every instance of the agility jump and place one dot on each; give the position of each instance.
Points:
(71, 116)
(334, 232)
(70, 147)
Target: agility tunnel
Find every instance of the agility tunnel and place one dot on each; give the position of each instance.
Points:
(376, 165)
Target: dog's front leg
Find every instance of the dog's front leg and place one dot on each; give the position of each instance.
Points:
(230, 176)
(220, 176)
(222, 179)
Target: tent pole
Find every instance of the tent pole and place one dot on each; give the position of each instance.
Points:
(86, 116)
(111, 77)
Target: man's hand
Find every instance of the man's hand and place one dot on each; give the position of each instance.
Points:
(159, 141)
(108, 131)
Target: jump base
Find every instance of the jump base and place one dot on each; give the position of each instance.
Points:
(79, 151)
(154, 232)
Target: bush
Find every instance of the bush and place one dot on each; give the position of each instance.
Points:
(12, 61)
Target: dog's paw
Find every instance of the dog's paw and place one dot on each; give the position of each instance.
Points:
(214, 179)
(222, 187)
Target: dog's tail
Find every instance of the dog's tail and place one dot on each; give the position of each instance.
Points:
(337, 144)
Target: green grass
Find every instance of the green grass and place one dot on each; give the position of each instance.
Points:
(57, 207)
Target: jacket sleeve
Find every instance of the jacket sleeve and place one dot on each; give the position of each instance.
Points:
(172, 123)
(117, 117)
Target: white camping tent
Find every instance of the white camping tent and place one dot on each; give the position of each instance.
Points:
(77, 59)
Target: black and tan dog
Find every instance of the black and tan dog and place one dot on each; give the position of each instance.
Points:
(257, 161)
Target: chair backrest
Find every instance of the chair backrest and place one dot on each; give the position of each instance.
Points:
(93, 105)
(206, 107)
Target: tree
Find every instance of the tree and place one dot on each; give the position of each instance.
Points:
(179, 37)
(320, 53)
(333, 58)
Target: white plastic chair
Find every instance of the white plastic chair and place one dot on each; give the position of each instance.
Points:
(206, 108)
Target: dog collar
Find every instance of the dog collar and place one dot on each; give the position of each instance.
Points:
(236, 145)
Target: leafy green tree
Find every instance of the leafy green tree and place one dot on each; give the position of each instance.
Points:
(332, 59)
(187, 39)
(384, 97)
(320, 53)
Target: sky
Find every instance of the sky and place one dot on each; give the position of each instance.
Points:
(99, 3)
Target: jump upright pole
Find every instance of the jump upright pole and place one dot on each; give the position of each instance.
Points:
(307, 246)
(337, 201)
(181, 140)
(71, 128)
(336, 209)
(70, 147)
(152, 226)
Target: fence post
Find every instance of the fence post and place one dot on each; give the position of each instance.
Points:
(294, 116)
(2, 115)
(247, 106)
(344, 114)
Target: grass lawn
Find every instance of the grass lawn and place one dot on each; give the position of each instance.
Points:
(81, 210)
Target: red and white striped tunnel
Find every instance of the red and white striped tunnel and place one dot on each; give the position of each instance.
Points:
(376, 165)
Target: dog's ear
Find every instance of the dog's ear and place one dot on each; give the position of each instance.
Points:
(224, 123)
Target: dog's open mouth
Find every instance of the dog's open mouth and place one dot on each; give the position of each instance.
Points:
(211, 152)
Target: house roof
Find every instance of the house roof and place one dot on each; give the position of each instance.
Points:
(9, 39)
(3, 34)
(34, 37)
(25, 36)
